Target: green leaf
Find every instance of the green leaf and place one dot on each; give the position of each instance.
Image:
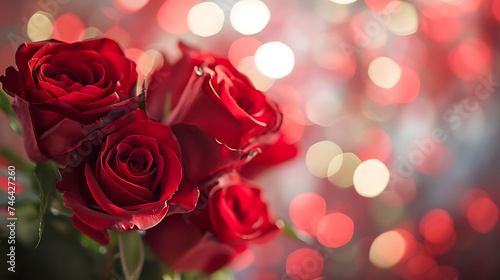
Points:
(131, 254)
(5, 106)
(47, 175)
(289, 231)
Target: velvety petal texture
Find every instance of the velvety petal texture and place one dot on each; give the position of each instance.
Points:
(132, 182)
(63, 91)
(208, 92)
(239, 213)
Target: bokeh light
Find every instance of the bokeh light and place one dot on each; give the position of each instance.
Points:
(319, 156)
(172, 15)
(471, 59)
(249, 16)
(304, 264)
(205, 19)
(387, 249)
(335, 230)
(341, 169)
(275, 60)
(68, 28)
(437, 226)
(384, 72)
(247, 66)
(482, 214)
(374, 143)
(130, 6)
(242, 48)
(406, 89)
(343, 2)
(306, 210)
(40, 26)
(383, 6)
(403, 21)
(371, 178)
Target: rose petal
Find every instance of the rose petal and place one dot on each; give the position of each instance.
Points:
(100, 236)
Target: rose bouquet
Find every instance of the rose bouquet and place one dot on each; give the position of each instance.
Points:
(160, 165)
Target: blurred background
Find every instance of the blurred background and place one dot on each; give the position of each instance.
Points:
(390, 106)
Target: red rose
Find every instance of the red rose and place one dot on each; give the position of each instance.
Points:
(208, 92)
(64, 91)
(239, 214)
(132, 183)
(187, 243)
(204, 158)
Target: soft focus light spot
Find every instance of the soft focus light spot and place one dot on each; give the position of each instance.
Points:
(333, 13)
(374, 143)
(249, 16)
(40, 26)
(323, 108)
(387, 249)
(437, 226)
(440, 23)
(495, 7)
(304, 264)
(341, 169)
(130, 6)
(172, 15)
(121, 35)
(383, 6)
(261, 82)
(91, 32)
(438, 249)
(319, 156)
(343, 2)
(404, 21)
(335, 230)
(384, 72)
(149, 60)
(471, 59)
(482, 214)
(370, 178)
(205, 19)
(404, 91)
(410, 244)
(68, 28)
(133, 54)
(241, 48)
(275, 60)
(306, 210)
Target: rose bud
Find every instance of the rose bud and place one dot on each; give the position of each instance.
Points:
(239, 214)
(63, 92)
(132, 182)
(187, 243)
(208, 92)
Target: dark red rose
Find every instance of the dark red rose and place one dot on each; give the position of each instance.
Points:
(239, 214)
(185, 243)
(271, 155)
(64, 91)
(204, 158)
(132, 183)
(208, 92)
